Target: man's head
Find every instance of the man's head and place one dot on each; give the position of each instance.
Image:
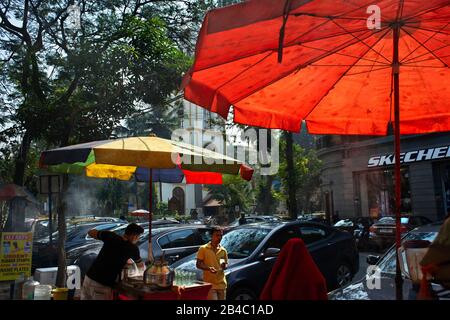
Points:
(216, 235)
(133, 232)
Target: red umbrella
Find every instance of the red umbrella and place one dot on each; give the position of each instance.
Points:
(344, 67)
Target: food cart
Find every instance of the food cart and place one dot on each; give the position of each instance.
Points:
(135, 289)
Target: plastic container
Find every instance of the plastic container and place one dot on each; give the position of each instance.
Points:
(43, 292)
(5, 291)
(60, 293)
(18, 286)
(28, 289)
(410, 254)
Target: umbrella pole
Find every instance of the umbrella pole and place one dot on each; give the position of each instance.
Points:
(396, 72)
(150, 214)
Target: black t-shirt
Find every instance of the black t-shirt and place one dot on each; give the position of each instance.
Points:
(112, 258)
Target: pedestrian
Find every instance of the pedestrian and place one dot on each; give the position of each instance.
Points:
(295, 275)
(242, 219)
(113, 256)
(212, 258)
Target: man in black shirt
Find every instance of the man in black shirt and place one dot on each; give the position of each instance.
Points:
(113, 256)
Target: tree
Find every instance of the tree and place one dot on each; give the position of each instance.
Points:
(306, 172)
(74, 82)
(97, 74)
(233, 192)
(291, 175)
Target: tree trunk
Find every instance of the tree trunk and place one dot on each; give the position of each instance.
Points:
(61, 276)
(292, 188)
(21, 160)
(16, 220)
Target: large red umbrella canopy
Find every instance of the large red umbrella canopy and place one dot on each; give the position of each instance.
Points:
(335, 73)
(343, 67)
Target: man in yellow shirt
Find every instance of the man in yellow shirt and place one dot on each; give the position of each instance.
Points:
(212, 258)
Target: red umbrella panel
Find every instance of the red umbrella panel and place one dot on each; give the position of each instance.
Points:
(343, 67)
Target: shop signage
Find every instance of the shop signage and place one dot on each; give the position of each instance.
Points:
(411, 156)
(15, 254)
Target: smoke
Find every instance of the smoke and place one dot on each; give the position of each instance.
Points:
(81, 196)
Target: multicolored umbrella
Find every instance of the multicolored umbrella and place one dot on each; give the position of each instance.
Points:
(148, 159)
(344, 67)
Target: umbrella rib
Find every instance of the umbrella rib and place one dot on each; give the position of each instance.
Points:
(341, 16)
(400, 9)
(145, 144)
(429, 38)
(424, 54)
(371, 48)
(337, 80)
(362, 72)
(298, 68)
(429, 59)
(424, 66)
(425, 12)
(429, 30)
(426, 48)
(245, 70)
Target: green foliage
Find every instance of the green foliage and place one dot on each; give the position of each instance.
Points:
(233, 192)
(307, 169)
(66, 86)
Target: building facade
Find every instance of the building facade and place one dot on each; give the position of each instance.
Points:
(358, 175)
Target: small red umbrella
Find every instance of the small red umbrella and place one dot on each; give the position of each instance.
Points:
(344, 67)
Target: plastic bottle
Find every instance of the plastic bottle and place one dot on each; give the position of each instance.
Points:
(18, 286)
(28, 289)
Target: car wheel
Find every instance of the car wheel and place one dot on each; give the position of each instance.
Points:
(243, 294)
(344, 275)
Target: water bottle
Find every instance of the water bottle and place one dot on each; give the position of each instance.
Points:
(28, 289)
(18, 286)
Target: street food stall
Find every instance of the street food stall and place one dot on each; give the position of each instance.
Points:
(159, 282)
(136, 289)
(147, 159)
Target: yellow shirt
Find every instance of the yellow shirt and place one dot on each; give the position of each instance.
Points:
(211, 258)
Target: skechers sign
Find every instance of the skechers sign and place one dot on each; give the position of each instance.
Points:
(411, 156)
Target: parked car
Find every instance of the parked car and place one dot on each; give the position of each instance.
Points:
(45, 255)
(387, 267)
(255, 219)
(176, 242)
(252, 251)
(359, 227)
(382, 233)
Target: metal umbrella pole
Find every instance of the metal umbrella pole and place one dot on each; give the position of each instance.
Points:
(396, 73)
(150, 214)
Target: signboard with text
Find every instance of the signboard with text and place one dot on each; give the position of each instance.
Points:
(15, 254)
(411, 156)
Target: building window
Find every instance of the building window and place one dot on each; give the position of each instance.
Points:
(381, 193)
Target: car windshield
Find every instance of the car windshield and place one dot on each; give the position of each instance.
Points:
(241, 243)
(344, 223)
(404, 220)
(386, 220)
(144, 236)
(388, 263)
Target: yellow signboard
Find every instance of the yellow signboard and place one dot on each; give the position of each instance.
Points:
(15, 254)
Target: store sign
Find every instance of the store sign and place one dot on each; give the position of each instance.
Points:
(15, 254)
(411, 156)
